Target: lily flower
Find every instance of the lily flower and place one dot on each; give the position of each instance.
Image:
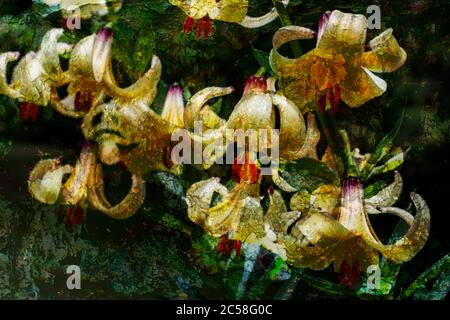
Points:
(36, 73)
(259, 109)
(87, 8)
(200, 12)
(89, 78)
(173, 109)
(317, 239)
(338, 68)
(238, 213)
(83, 187)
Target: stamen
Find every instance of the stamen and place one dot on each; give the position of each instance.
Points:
(321, 103)
(200, 28)
(207, 27)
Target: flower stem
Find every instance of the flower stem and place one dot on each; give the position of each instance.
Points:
(351, 167)
(286, 21)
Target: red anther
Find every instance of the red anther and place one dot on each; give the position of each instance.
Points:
(83, 101)
(74, 217)
(349, 276)
(78, 216)
(29, 112)
(187, 24)
(237, 247)
(207, 27)
(330, 95)
(321, 103)
(337, 98)
(200, 28)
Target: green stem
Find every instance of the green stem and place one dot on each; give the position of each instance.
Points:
(286, 21)
(351, 167)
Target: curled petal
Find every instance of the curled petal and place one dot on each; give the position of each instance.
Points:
(281, 182)
(309, 146)
(45, 181)
(283, 36)
(5, 88)
(66, 107)
(345, 28)
(81, 58)
(361, 87)
(195, 10)
(256, 22)
(386, 54)
(386, 197)
(143, 90)
(198, 100)
(292, 126)
(123, 210)
(199, 197)
(49, 53)
(413, 241)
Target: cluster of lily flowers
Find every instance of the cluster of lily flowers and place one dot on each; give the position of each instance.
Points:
(329, 225)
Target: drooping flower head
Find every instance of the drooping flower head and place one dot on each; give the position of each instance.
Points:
(338, 68)
(200, 12)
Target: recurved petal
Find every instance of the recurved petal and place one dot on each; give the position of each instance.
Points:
(386, 54)
(5, 58)
(344, 29)
(256, 22)
(49, 53)
(142, 91)
(292, 127)
(254, 111)
(309, 146)
(283, 36)
(199, 197)
(386, 197)
(413, 241)
(198, 100)
(45, 181)
(196, 10)
(124, 209)
(361, 87)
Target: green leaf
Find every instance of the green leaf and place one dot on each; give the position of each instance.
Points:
(262, 58)
(440, 267)
(382, 149)
(308, 174)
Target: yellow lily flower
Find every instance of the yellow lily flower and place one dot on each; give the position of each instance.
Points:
(257, 110)
(89, 78)
(338, 68)
(239, 213)
(199, 13)
(84, 185)
(318, 239)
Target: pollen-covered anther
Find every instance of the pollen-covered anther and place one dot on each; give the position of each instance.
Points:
(200, 26)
